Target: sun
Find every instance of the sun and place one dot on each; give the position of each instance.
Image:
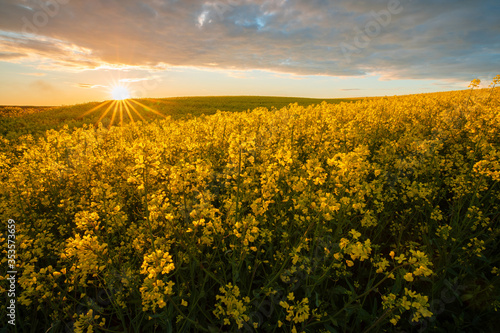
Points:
(120, 106)
(120, 93)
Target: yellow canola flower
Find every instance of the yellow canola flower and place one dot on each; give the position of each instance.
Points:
(156, 263)
(408, 277)
(355, 234)
(230, 306)
(343, 243)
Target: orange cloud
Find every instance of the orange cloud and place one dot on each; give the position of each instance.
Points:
(293, 37)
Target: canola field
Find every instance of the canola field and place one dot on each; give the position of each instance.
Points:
(377, 215)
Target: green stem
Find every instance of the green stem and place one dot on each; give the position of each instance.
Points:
(375, 324)
(370, 290)
(198, 327)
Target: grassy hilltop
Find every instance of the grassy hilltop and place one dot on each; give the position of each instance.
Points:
(17, 121)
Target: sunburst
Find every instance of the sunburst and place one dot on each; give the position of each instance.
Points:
(120, 104)
(120, 93)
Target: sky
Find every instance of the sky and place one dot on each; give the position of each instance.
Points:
(61, 52)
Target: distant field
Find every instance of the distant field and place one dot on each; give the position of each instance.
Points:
(8, 111)
(18, 121)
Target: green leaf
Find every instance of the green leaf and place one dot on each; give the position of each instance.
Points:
(331, 329)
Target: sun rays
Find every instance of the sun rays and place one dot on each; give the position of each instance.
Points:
(120, 109)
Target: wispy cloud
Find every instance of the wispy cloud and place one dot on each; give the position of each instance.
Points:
(288, 76)
(426, 39)
(89, 86)
(6, 56)
(238, 74)
(130, 80)
(34, 74)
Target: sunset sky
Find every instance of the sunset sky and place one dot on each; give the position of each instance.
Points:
(55, 52)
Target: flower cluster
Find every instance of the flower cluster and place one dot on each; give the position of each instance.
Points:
(296, 312)
(411, 301)
(230, 306)
(154, 289)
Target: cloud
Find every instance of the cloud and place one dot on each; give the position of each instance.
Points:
(289, 76)
(34, 74)
(453, 39)
(238, 74)
(5, 56)
(130, 80)
(89, 86)
(51, 53)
